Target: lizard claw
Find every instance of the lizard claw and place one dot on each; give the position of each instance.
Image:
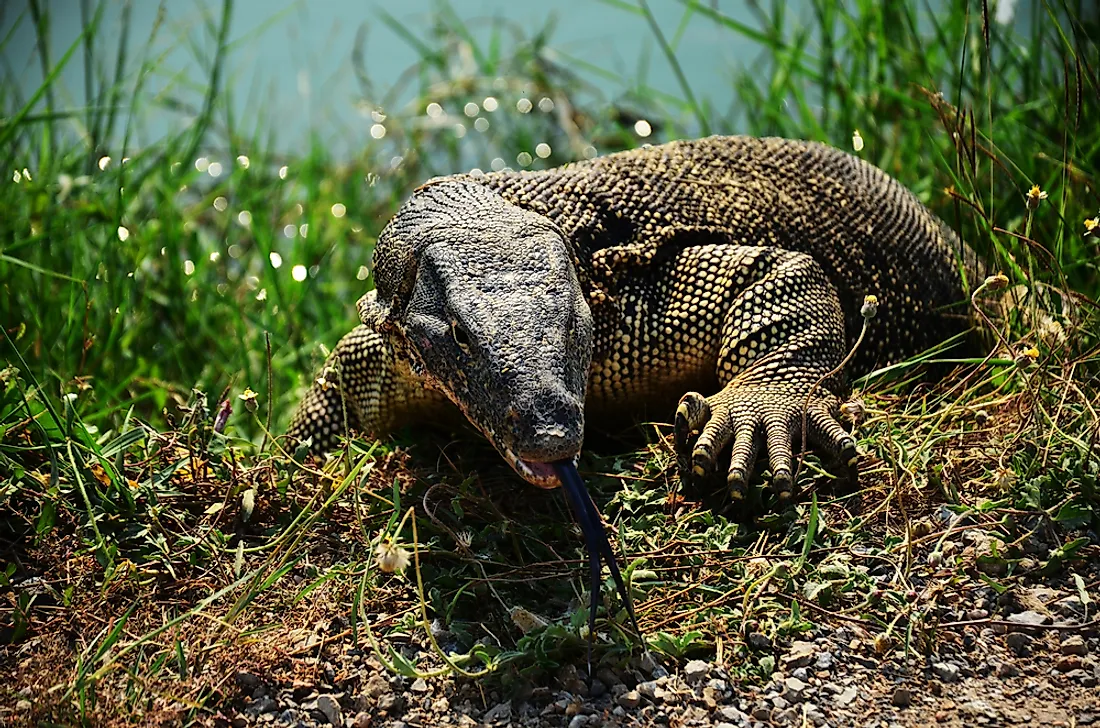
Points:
(748, 416)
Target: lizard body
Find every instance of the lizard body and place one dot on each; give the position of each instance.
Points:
(606, 289)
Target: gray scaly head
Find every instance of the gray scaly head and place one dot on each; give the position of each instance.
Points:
(482, 298)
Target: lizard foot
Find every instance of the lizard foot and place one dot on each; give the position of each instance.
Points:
(747, 416)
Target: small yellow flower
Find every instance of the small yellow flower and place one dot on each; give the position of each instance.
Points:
(1027, 357)
(525, 620)
(870, 307)
(1004, 479)
(1092, 226)
(249, 399)
(390, 557)
(1034, 197)
(997, 282)
(853, 409)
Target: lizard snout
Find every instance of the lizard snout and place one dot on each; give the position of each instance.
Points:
(547, 426)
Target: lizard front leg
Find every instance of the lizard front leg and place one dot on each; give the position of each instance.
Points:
(363, 387)
(782, 333)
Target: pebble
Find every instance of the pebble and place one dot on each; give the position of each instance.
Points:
(376, 686)
(800, 655)
(501, 712)
(696, 671)
(362, 720)
(1019, 642)
(23, 705)
(630, 699)
(247, 680)
(263, 705)
(1082, 677)
(419, 685)
(793, 688)
(790, 715)
(1070, 606)
(847, 695)
(1029, 618)
(331, 709)
(759, 642)
(1074, 645)
(648, 689)
(1069, 663)
(732, 715)
(946, 671)
(1007, 669)
(901, 697)
(824, 661)
(578, 721)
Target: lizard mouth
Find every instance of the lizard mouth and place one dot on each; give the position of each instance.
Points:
(537, 473)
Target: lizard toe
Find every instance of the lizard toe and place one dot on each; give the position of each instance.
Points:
(692, 414)
(779, 436)
(746, 446)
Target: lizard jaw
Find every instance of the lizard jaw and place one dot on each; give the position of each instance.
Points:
(543, 475)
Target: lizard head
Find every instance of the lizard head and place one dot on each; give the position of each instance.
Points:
(482, 298)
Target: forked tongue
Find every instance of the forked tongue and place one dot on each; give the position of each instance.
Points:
(595, 540)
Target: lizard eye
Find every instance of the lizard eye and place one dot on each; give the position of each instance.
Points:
(461, 337)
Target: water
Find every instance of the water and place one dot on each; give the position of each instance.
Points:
(291, 63)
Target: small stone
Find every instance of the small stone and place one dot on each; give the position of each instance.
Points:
(630, 699)
(824, 661)
(733, 715)
(696, 671)
(1069, 663)
(389, 702)
(901, 697)
(1029, 619)
(648, 662)
(1070, 607)
(946, 671)
(648, 689)
(800, 655)
(331, 709)
(793, 688)
(789, 716)
(608, 677)
(419, 685)
(1007, 669)
(362, 720)
(502, 713)
(261, 706)
(247, 680)
(847, 696)
(1074, 645)
(759, 642)
(578, 721)
(23, 705)
(376, 687)
(975, 615)
(762, 712)
(780, 702)
(1082, 677)
(1019, 642)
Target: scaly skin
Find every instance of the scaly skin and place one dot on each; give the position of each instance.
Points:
(730, 268)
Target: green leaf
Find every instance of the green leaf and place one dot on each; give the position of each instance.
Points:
(402, 664)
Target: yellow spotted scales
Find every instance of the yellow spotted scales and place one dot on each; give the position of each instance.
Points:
(730, 268)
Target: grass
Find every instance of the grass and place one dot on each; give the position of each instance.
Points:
(153, 549)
